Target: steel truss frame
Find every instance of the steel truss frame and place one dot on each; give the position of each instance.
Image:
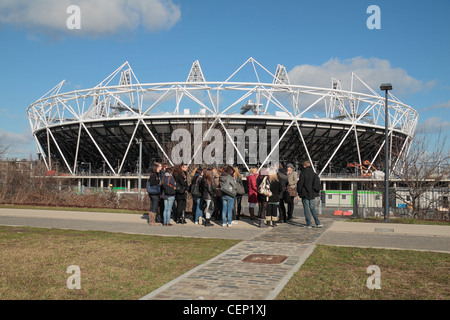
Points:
(327, 126)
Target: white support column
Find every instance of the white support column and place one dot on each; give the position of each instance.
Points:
(98, 148)
(276, 145)
(75, 164)
(128, 147)
(339, 146)
(157, 143)
(60, 152)
(234, 145)
(304, 145)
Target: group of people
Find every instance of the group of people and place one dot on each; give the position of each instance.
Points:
(216, 193)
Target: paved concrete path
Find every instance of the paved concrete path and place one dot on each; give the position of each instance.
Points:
(260, 265)
(388, 235)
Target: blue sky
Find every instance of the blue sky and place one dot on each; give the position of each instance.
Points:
(161, 39)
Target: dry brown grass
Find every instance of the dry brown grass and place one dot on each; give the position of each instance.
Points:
(113, 266)
(341, 273)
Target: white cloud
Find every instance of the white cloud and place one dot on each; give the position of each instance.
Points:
(439, 105)
(96, 17)
(433, 125)
(19, 145)
(373, 71)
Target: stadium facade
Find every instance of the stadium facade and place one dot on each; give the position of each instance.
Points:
(259, 115)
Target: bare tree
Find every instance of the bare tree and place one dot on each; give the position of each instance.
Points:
(3, 148)
(423, 174)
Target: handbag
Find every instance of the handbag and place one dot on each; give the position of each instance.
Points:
(264, 188)
(153, 189)
(292, 191)
(240, 187)
(228, 189)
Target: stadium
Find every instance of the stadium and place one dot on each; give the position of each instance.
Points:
(112, 125)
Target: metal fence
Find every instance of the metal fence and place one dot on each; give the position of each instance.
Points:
(434, 203)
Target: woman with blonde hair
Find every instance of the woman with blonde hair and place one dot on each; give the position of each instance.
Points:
(262, 199)
(274, 200)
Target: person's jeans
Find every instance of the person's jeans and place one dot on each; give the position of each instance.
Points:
(227, 209)
(308, 205)
(168, 204)
(199, 208)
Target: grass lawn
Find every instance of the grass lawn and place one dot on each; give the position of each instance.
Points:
(339, 273)
(402, 220)
(34, 262)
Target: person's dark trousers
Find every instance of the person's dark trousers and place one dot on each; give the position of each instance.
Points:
(174, 211)
(181, 207)
(218, 208)
(160, 215)
(237, 207)
(262, 208)
(282, 211)
(290, 211)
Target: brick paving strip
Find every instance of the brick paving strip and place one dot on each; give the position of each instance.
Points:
(248, 270)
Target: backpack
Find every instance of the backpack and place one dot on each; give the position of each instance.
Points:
(264, 188)
(194, 188)
(317, 185)
(168, 188)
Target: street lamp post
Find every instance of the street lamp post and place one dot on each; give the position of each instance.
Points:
(386, 87)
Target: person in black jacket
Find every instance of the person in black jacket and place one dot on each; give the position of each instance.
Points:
(274, 200)
(154, 195)
(197, 193)
(306, 192)
(209, 195)
(180, 175)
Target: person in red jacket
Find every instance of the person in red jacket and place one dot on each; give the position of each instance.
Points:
(252, 192)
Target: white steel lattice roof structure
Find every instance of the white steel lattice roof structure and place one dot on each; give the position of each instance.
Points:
(331, 127)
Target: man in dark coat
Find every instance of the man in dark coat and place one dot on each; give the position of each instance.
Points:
(305, 189)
